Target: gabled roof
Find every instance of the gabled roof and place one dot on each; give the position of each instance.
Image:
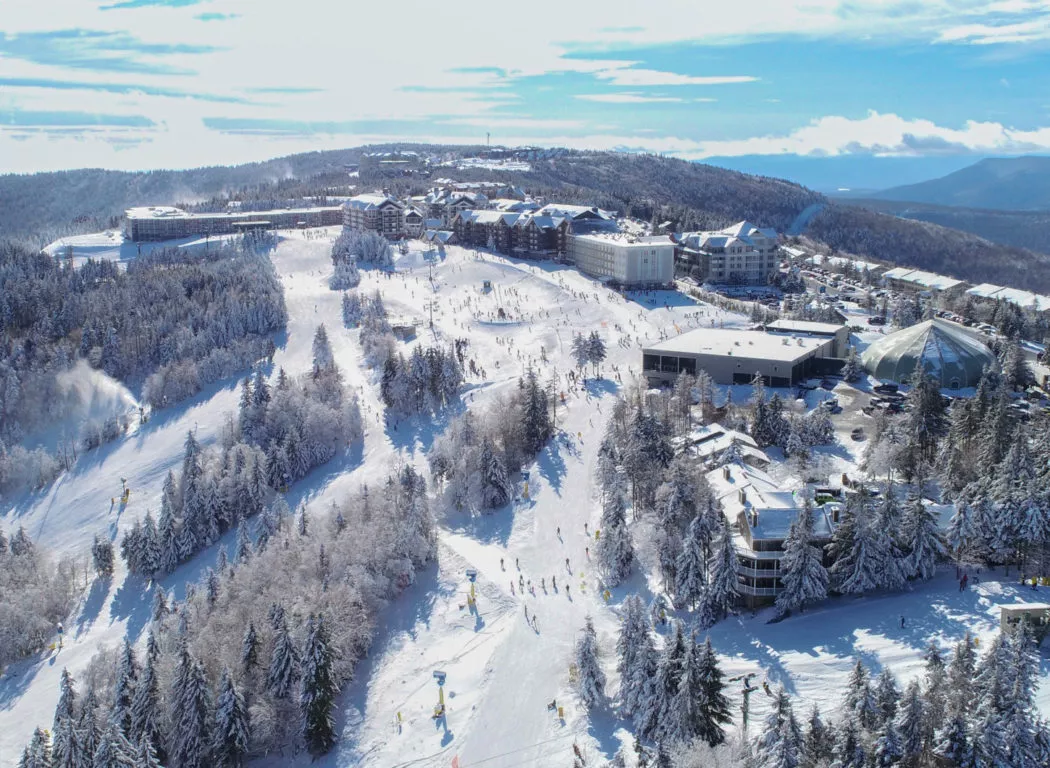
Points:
(372, 201)
(574, 211)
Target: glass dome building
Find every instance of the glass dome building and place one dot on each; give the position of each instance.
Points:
(945, 349)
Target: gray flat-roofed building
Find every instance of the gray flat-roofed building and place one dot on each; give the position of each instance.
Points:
(735, 356)
(836, 331)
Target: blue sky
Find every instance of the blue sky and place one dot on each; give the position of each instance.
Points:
(178, 83)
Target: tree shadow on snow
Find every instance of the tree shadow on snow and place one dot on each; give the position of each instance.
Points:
(551, 463)
(416, 433)
(660, 299)
(492, 527)
(92, 606)
(936, 611)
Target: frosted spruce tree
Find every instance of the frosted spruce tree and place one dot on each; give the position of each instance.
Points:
(859, 702)
(145, 706)
(190, 714)
(804, 578)
(232, 731)
(780, 744)
(317, 689)
(67, 697)
(723, 568)
(581, 354)
(249, 648)
(636, 656)
(668, 676)
(691, 567)
(714, 709)
(595, 351)
(124, 687)
(818, 742)
(922, 537)
(284, 662)
(590, 683)
(614, 549)
(495, 488)
(859, 566)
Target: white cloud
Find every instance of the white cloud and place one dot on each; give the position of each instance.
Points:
(627, 98)
(439, 69)
(882, 134)
(630, 77)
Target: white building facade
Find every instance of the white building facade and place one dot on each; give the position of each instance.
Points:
(643, 261)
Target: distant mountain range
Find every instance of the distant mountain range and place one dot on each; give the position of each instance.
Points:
(688, 195)
(1001, 184)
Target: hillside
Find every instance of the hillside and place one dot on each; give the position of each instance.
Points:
(1021, 229)
(929, 246)
(689, 195)
(1001, 183)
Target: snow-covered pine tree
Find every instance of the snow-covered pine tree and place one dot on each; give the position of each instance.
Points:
(686, 710)
(249, 648)
(780, 745)
(581, 354)
(714, 708)
(636, 656)
(66, 751)
(124, 687)
(232, 729)
(691, 567)
(87, 724)
(590, 681)
(191, 715)
(495, 487)
(803, 576)
(147, 755)
(317, 689)
(614, 549)
(852, 371)
(859, 701)
(160, 604)
(535, 414)
(911, 723)
(145, 706)
(323, 357)
(723, 568)
(849, 748)
(149, 552)
(67, 697)
(668, 675)
(818, 743)
(595, 351)
(953, 743)
(168, 537)
(861, 567)
(922, 537)
(888, 747)
(887, 695)
(284, 662)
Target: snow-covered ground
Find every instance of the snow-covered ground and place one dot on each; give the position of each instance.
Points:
(501, 673)
(111, 246)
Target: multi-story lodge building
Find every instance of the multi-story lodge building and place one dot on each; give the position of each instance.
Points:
(761, 514)
(624, 260)
(543, 232)
(444, 204)
(378, 212)
(742, 254)
(164, 222)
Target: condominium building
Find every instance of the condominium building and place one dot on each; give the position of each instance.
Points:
(743, 254)
(761, 513)
(378, 212)
(624, 260)
(164, 222)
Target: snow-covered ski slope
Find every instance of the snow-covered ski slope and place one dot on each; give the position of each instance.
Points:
(501, 672)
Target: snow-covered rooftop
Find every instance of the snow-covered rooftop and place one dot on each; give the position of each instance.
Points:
(805, 326)
(769, 509)
(171, 212)
(920, 277)
(755, 344)
(626, 240)
(1023, 299)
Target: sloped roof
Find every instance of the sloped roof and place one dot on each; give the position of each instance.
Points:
(947, 351)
